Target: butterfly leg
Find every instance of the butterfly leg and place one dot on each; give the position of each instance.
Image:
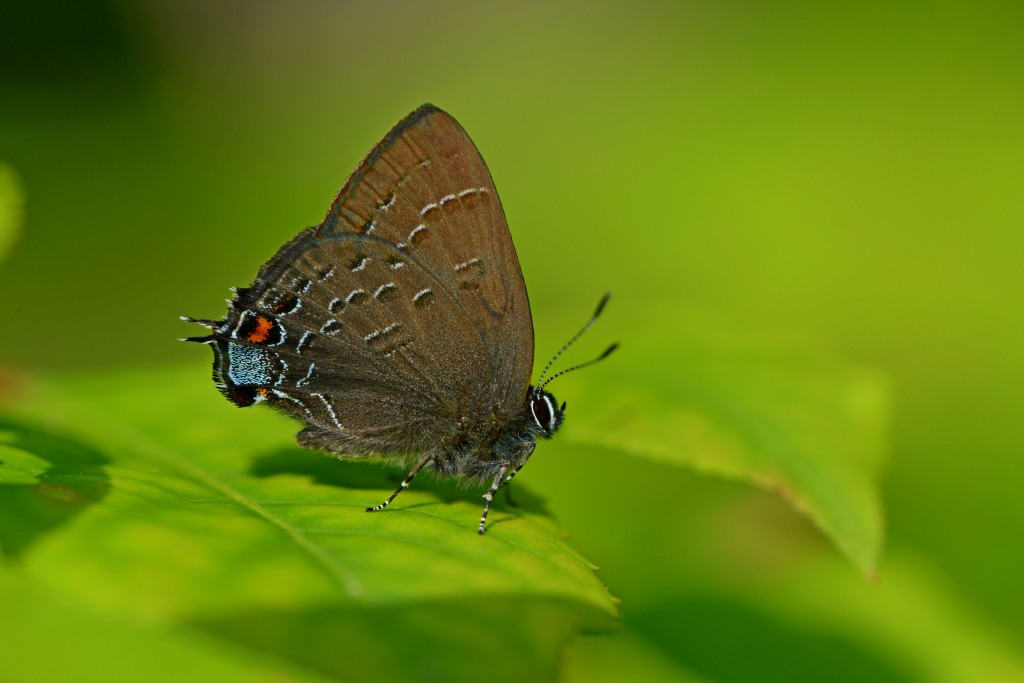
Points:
(490, 495)
(405, 484)
(508, 489)
(518, 467)
(508, 496)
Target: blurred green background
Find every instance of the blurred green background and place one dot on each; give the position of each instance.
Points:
(841, 178)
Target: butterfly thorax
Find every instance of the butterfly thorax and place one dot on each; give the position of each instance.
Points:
(483, 445)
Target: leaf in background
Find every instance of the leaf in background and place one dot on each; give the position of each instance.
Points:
(191, 513)
(47, 639)
(723, 582)
(45, 481)
(623, 657)
(10, 208)
(916, 616)
(786, 418)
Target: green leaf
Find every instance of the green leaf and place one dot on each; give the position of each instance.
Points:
(164, 504)
(725, 582)
(916, 615)
(787, 418)
(10, 208)
(47, 639)
(623, 657)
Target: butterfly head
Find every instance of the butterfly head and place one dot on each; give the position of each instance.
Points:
(544, 411)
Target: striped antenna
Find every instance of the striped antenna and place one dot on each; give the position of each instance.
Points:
(600, 307)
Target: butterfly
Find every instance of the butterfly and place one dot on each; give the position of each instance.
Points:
(400, 325)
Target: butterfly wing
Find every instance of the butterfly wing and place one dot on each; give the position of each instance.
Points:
(426, 189)
(402, 321)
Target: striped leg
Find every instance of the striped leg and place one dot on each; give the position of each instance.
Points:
(514, 473)
(405, 484)
(508, 496)
(519, 467)
(490, 494)
(508, 489)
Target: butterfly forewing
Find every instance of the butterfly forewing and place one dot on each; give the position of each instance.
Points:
(411, 294)
(425, 188)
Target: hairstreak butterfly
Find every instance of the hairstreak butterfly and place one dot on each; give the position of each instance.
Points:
(400, 326)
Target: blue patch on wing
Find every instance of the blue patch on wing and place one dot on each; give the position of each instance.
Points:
(249, 365)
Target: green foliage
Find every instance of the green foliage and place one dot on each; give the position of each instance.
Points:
(152, 500)
(790, 419)
(11, 203)
(50, 637)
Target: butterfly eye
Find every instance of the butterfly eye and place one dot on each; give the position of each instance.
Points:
(545, 415)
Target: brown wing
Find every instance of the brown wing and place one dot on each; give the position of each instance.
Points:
(426, 189)
(404, 313)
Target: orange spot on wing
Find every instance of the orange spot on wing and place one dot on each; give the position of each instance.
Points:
(262, 331)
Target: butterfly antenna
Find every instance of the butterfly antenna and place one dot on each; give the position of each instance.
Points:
(604, 355)
(593, 319)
